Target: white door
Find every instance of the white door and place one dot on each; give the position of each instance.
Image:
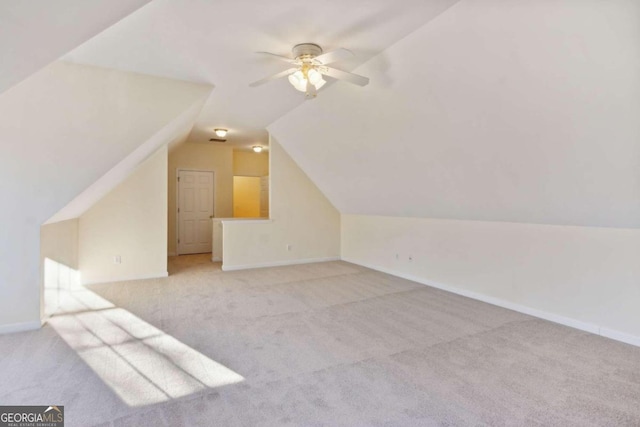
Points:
(195, 210)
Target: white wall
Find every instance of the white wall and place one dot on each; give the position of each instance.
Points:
(300, 216)
(61, 130)
(585, 277)
(501, 110)
(130, 222)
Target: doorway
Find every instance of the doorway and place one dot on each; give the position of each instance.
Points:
(194, 211)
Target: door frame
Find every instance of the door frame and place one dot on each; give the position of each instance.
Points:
(177, 207)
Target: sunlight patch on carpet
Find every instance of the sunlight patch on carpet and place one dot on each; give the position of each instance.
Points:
(139, 362)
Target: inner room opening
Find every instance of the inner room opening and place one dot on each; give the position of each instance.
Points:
(212, 180)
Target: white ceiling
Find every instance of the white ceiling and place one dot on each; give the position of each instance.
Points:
(33, 34)
(519, 111)
(214, 43)
(60, 142)
(497, 110)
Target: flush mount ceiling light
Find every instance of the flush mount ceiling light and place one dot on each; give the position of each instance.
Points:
(257, 148)
(310, 67)
(221, 132)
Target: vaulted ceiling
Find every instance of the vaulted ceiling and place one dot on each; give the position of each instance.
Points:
(33, 34)
(511, 111)
(215, 43)
(519, 111)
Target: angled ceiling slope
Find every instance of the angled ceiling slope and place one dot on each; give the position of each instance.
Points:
(33, 34)
(513, 111)
(68, 125)
(215, 41)
(173, 132)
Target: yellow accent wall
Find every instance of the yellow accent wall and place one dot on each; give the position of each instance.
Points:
(248, 163)
(246, 197)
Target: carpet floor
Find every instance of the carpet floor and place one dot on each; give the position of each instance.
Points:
(318, 344)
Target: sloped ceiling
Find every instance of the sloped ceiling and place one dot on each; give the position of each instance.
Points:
(214, 42)
(496, 110)
(175, 131)
(70, 124)
(33, 34)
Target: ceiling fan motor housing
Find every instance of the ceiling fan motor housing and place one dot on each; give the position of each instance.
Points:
(306, 50)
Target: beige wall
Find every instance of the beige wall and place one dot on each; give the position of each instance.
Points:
(248, 163)
(300, 216)
(130, 222)
(217, 158)
(585, 277)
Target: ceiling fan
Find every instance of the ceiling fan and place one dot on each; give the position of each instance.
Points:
(310, 65)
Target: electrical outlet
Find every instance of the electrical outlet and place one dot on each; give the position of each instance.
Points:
(397, 256)
(117, 259)
(410, 258)
(289, 247)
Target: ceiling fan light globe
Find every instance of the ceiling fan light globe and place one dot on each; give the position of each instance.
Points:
(320, 84)
(314, 76)
(301, 86)
(296, 77)
(298, 81)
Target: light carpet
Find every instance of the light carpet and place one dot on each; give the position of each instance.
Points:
(317, 344)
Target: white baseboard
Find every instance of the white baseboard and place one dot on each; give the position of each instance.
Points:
(127, 278)
(620, 336)
(552, 317)
(20, 327)
(278, 263)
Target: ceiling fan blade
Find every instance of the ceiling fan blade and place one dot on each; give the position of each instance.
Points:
(273, 77)
(280, 57)
(334, 56)
(343, 75)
